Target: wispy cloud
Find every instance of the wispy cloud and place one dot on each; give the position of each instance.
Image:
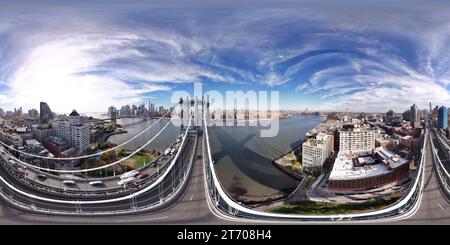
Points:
(364, 58)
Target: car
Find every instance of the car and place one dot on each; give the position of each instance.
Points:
(142, 176)
(126, 175)
(126, 181)
(96, 182)
(23, 171)
(42, 177)
(167, 151)
(68, 182)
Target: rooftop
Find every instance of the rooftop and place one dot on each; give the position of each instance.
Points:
(74, 113)
(32, 142)
(57, 140)
(369, 166)
(21, 130)
(320, 139)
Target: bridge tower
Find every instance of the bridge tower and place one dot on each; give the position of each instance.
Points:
(193, 109)
(114, 118)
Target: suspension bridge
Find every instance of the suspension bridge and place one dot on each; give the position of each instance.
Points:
(182, 187)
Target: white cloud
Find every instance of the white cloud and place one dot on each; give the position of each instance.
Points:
(92, 67)
(51, 73)
(91, 63)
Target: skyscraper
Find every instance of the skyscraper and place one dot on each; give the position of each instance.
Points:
(76, 132)
(442, 117)
(33, 113)
(390, 115)
(45, 113)
(415, 120)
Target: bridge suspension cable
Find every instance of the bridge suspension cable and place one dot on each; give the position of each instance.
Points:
(91, 169)
(132, 195)
(84, 156)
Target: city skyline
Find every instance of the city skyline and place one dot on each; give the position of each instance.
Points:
(155, 107)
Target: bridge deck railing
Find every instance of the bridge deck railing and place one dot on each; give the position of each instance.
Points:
(230, 208)
(168, 185)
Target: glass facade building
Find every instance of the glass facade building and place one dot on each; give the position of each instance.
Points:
(442, 117)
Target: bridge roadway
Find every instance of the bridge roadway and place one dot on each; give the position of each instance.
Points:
(110, 185)
(434, 208)
(192, 207)
(189, 207)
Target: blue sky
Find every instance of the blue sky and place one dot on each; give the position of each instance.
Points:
(361, 55)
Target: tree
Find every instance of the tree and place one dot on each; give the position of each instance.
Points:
(121, 152)
(106, 156)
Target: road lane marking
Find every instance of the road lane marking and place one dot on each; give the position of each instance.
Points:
(140, 220)
(442, 208)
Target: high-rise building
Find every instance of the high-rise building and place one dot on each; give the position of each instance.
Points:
(407, 115)
(18, 112)
(315, 151)
(79, 132)
(442, 117)
(33, 113)
(140, 110)
(133, 110)
(390, 115)
(435, 112)
(45, 113)
(62, 129)
(415, 119)
(356, 139)
(125, 111)
(74, 130)
(74, 118)
(149, 107)
(79, 136)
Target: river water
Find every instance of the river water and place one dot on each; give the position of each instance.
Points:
(134, 126)
(243, 159)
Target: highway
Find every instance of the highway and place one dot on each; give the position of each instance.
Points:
(192, 206)
(434, 208)
(81, 187)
